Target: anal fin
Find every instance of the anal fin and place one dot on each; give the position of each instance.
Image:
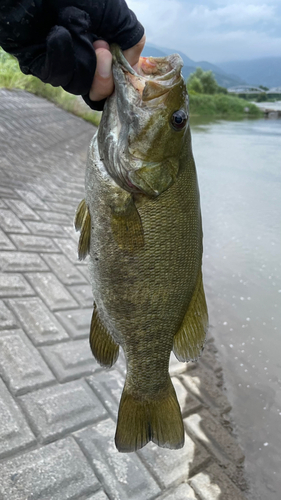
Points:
(104, 348)
(190, 338)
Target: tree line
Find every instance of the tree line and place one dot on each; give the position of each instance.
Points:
(204, 82)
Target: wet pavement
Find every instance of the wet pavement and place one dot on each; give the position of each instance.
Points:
(58, 407)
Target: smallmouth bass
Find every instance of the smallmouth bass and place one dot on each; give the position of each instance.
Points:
(141, 224)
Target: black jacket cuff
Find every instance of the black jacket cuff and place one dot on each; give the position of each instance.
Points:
(96, 105)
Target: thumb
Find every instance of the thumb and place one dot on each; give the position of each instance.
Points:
(103, 84)
(133, 54)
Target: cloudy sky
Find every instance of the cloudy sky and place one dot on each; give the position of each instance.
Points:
(217, 30)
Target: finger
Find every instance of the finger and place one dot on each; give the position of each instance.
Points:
(133, 54)
(101, 44)
(103, 84)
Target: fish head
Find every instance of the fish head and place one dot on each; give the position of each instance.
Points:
(144, 123)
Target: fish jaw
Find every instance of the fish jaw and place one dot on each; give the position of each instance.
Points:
(137, 144)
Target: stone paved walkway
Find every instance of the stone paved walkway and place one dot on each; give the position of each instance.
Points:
(58, 407)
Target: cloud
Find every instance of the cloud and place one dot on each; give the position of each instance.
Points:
(234, 45)
(221, 30)
(233, 15)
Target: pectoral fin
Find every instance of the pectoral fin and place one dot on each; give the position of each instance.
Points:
(102, 344)
(126, 225)
(189, 340)
(79, 216)
(82, 222)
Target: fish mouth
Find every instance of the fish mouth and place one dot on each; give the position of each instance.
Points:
(154, 76)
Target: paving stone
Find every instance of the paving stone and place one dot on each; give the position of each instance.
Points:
(32, 199)
(45, 229)
(175, 366)
(72, 232)
(108, 385)
(76, 322)
(73, 195)
(5, 243)
(55, 411)
(209, 358)
(11, 223)
(42, 190)
(213, 484)
(100, 495)
(51, 291)
(188, 403)
(14, 431)
(182, 492)
(85, 271)
(203, 384)
(64, 269)
(63, 207)
(71, 360)
(21, 366)
(214, 437)
(174, 466)
(32, 243)
(58, 471)
(7, 320)
(6, 192)
(38, 322)
(68, 247)
(54, 217)
(22, 210)
(14, 285)
(83, 294)
(21, 262)
(122, 474)
(2, 204)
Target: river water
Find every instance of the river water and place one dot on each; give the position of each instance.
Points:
(239, 170)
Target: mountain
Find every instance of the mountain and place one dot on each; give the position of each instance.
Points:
(265, 71)
(222, 77)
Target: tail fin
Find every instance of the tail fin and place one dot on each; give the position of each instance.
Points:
(158, 420)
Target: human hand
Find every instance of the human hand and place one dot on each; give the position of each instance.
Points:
(103, 84)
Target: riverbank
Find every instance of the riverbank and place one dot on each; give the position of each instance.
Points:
(270, 109)
(222, 106)
(62, 412)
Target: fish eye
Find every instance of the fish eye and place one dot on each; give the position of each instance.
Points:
(179, 119)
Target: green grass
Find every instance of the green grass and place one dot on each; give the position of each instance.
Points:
(221, 106)
(12, 78)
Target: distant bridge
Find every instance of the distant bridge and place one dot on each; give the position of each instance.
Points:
(251, 89)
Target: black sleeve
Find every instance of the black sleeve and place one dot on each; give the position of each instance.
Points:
(53, 39)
